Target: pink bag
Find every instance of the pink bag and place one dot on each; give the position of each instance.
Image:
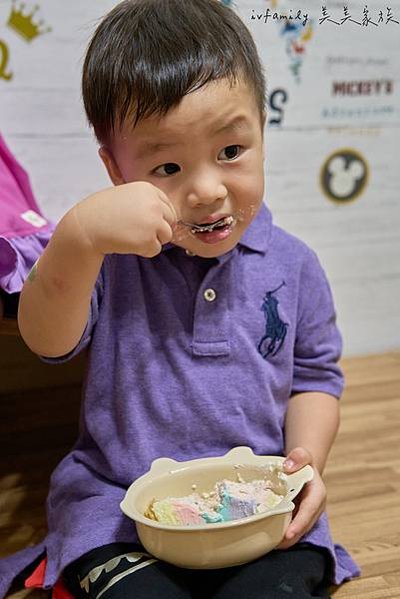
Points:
(24, 232)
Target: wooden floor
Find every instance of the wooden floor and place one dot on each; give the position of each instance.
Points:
(363, 474)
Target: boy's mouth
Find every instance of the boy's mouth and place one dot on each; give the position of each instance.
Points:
(221, 223)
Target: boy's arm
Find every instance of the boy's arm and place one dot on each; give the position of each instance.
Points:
(312, 422)
(312, 417)
(134, 218)
(55, 300)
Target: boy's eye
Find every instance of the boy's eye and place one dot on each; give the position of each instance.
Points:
(169, 169)
(231, 152)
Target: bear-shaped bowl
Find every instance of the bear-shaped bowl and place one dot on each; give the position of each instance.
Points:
(214, 545)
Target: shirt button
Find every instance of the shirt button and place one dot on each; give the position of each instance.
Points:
(209, 295)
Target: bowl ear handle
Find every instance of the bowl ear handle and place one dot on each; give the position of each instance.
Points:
(297, 480)
(161, 465)
(240, 453)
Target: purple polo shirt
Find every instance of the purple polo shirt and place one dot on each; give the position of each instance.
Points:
(189, 358)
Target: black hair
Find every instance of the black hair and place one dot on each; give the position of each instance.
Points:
(146, 55)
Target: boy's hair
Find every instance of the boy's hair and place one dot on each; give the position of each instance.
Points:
(146, 55)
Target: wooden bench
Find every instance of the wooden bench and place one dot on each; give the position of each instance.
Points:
(21, 370)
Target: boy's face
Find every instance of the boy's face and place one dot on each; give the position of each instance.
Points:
(206, 155)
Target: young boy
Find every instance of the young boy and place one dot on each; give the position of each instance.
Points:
(208, 326)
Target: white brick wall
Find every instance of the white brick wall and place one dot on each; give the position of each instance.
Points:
(358, 243)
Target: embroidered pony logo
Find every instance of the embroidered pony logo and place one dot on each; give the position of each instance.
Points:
(275, 330)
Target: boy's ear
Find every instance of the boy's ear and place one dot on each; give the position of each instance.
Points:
(112, 167)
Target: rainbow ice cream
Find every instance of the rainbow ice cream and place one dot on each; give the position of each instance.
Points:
(229, 500)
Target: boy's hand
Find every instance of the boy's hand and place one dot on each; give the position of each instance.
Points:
(310, 503)
(135, 218)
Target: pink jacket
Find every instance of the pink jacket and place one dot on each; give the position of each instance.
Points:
(24, 232)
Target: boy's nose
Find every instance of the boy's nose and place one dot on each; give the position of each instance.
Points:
(206, 189)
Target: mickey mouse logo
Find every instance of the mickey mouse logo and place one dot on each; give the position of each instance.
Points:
(344, 175)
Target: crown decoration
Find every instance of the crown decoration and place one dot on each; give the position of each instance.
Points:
(24, 24)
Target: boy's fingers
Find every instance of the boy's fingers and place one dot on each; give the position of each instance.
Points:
(297, 458)
(299, 527)
(308, 513)
(311, 505)
(164, 233)
(170, 215)
(303, 521)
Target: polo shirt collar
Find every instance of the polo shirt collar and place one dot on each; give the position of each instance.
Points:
(258, 234)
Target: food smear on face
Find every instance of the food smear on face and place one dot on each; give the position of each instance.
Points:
(227, 501)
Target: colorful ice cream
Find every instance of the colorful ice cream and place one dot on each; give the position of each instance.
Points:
(229, 500)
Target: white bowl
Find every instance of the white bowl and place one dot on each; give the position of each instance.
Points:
(221, 544)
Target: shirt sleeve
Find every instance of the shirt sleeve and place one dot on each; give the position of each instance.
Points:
(18, 255)
(318, 343)
(94, 310)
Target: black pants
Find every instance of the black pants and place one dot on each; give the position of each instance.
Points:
(126, 571)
